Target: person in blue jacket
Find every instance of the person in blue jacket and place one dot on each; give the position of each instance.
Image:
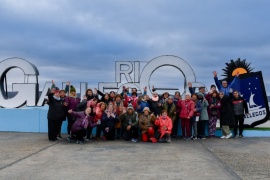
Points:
(224, 87)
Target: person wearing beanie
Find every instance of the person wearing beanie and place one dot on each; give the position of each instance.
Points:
(164, 124)
(129, 121)
(147, 125)
(72, 101)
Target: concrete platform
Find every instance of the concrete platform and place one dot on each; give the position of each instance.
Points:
(32, 156)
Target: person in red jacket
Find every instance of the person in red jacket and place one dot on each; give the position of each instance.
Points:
(187, 108)
(165, 126)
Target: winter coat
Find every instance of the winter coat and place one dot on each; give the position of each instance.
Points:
(141, 105)
(118, 110)
(171, 112)
(204, 113)
(146, 121)
(226, 112)
(57, 109)
(72, 102)
(198, 108)
(239, 106)
(154, 106)
(186, 108)
(129, 119)
(167, 122)
(130, 100)
(81, 120)
(109, 121)
(227, 89)
(213, 101)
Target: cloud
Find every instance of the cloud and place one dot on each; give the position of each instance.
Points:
(74, 41)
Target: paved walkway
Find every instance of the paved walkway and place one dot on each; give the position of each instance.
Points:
(31, 156)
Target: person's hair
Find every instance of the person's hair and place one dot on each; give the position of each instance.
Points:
(134, 88)
(118, 96)
(215, 92)
(102, 103)
(134, 94)
(177, 92)
(95, 99)
(236, 91)
(201, 87)
(194, 94)
(87, 91)
(221, 92)
(164, 111)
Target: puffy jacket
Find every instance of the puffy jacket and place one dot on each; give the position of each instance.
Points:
(186, 108)
(167, 122)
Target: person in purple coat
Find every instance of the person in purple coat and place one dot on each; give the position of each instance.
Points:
(79, 127)
(72, 101)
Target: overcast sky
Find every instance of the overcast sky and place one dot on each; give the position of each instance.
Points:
(80, 41)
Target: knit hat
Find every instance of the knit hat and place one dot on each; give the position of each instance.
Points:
(170, 97)
(146, 109)
(200, 94)
(72, 89)
(130, 107)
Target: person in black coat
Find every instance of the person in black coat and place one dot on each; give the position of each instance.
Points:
(56, 113)
(226, 115)
(108, 122)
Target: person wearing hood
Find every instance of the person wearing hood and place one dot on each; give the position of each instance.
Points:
(147, 125)
(72, 101)
(164, 124)
(204, 118)
(186, 113)
(129, 120)
(56, 113)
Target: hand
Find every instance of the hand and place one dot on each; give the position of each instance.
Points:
(53, 82)
(231, 90)
(189, 84)
(164, 128)
(68, 83)
(129, 127)
(70, 111)
(159, 104)
(65, 104)
(152, 114)
(145, 88)
(215, 73)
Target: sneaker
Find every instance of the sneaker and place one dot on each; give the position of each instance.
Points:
(194, 138)
(241, 136)
(88, 139)
(168, 140)
(81, 142)
(134, 140)
(228, 136)
(202, 137)
(223, 137)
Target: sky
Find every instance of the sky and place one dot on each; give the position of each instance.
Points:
(80, 41)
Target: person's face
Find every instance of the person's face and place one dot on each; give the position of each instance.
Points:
(134, 96)
(118, 99)
(194, 98)
(146, 112)
(164, 114)
(134, 90)
(112, 94)
(166, 95)
(57, 94)
(224, 84)
(170, 101)
(130, 111)
(221, 95)
(102, 107)
(177, 96)
(155, 94)
(110, 109)
(214, 95)
(73, 93)
(202, 90)
(87, 111)
(146, 97)
(236, 94)
(106, 96)
(95, 102)
(89, 93)
(62, 94)
(187, 97)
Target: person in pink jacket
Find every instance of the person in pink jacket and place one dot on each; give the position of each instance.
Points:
(187, 108)
(164, 124)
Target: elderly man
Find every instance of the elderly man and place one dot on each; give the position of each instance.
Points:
(224, 87)
(129, 122)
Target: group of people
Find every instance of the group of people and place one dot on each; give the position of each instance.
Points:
(131, 116)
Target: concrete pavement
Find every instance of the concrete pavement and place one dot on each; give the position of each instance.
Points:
(32, 156)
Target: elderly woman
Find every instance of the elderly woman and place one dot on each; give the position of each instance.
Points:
(226, 115)
(146, 122)
(164, 124)
(78, 129)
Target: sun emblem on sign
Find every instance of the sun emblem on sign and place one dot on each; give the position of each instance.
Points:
(239, 65)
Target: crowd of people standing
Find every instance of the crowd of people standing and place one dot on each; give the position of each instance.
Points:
(131, 116)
